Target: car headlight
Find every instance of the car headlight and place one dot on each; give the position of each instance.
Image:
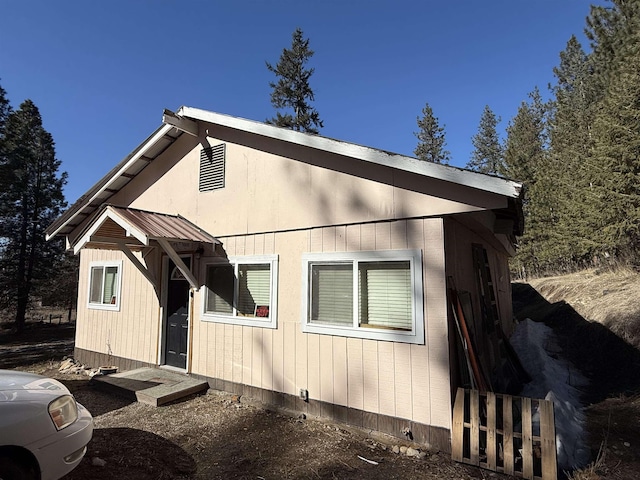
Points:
(63, 411)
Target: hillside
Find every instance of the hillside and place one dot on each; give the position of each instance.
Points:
(607, 297)
(596, 317)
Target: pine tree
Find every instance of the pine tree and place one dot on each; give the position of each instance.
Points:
(292, 90)
(5, 110)
(487, 156)
(572, 145)
(616, 176)
(431, 138)
(32, 199)
(526, 160)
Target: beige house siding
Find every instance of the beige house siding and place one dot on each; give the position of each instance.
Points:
(131, 332)
(395, 379)
(265, 192)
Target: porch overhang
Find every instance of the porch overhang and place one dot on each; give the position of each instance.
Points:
(129, 230)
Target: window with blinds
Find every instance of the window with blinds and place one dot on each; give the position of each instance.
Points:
(242, 291)
(376, 295)
(104, 286)
(384, 294)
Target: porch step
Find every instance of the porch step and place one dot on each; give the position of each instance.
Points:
(152, 386)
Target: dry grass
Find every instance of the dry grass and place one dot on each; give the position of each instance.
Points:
(609, 297)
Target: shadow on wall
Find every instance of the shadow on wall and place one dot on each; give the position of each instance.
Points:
(611, 364)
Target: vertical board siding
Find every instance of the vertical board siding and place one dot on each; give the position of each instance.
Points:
(403, 375)
(237, 354)
(355, 374)
(313, 364)
(340, 375)
(131, 332)
(326, 368)
(387, 380)
(289, 358)
(370, 364)
(437, 327)
(395, 379)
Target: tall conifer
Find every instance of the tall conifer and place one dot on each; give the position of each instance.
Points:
(487, 155)
(31, 200)
(292, 91)
(431, 138)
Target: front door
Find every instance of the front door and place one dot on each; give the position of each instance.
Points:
(177, 326)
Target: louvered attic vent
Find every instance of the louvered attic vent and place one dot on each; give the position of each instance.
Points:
(212, 168)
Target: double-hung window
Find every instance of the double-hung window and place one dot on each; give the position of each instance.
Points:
(104, 285)
(375, 295)
(241, 291)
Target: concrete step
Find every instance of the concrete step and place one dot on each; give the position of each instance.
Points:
(153, 386)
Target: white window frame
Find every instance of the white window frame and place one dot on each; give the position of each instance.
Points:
(118, 289)
(415, 335)
(234, 319)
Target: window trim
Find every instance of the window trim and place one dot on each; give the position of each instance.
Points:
(415, 336)
(106, 306)
(268, 322)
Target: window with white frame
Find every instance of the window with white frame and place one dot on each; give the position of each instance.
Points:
(104, 285)
(376, 295)
(241, 291)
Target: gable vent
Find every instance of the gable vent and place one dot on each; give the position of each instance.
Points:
(212, 168)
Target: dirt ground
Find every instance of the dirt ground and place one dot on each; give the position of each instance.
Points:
(217, 435)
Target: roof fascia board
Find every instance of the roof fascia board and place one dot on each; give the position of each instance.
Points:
(151, 141)
(96, 224)
(468, 178)
(183, 124)
(86, 237)
(130, 230)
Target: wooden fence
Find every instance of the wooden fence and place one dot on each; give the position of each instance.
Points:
(498, 432)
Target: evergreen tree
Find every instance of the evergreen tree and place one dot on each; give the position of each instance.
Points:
(31, 200)
(487, 156)
(526, 160)
(5, 110)
(572, 146)
(616, 176)
(431, 138)
(292, 90)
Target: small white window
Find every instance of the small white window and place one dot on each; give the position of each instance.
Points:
(376, 295)
(241, 291)
(104, 285)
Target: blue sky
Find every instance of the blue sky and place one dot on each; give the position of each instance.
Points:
(102, 72)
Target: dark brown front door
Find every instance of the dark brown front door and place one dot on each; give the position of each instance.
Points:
(177, 327)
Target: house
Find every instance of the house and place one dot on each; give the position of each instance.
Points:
(304, 271)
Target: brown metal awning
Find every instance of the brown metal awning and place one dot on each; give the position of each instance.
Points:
(129, 229)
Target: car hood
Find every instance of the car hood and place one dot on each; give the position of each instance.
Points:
(11, 380)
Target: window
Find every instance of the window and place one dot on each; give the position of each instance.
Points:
(376, 295)
(212, 163)
(104, 285)
(242, 291)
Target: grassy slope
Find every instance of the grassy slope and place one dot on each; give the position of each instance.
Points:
(597, 317)
(611, 298)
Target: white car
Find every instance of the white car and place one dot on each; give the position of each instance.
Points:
(44, 432)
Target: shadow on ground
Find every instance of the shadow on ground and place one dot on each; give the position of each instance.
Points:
(611, 364)
(39, 342)
(132, 453)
